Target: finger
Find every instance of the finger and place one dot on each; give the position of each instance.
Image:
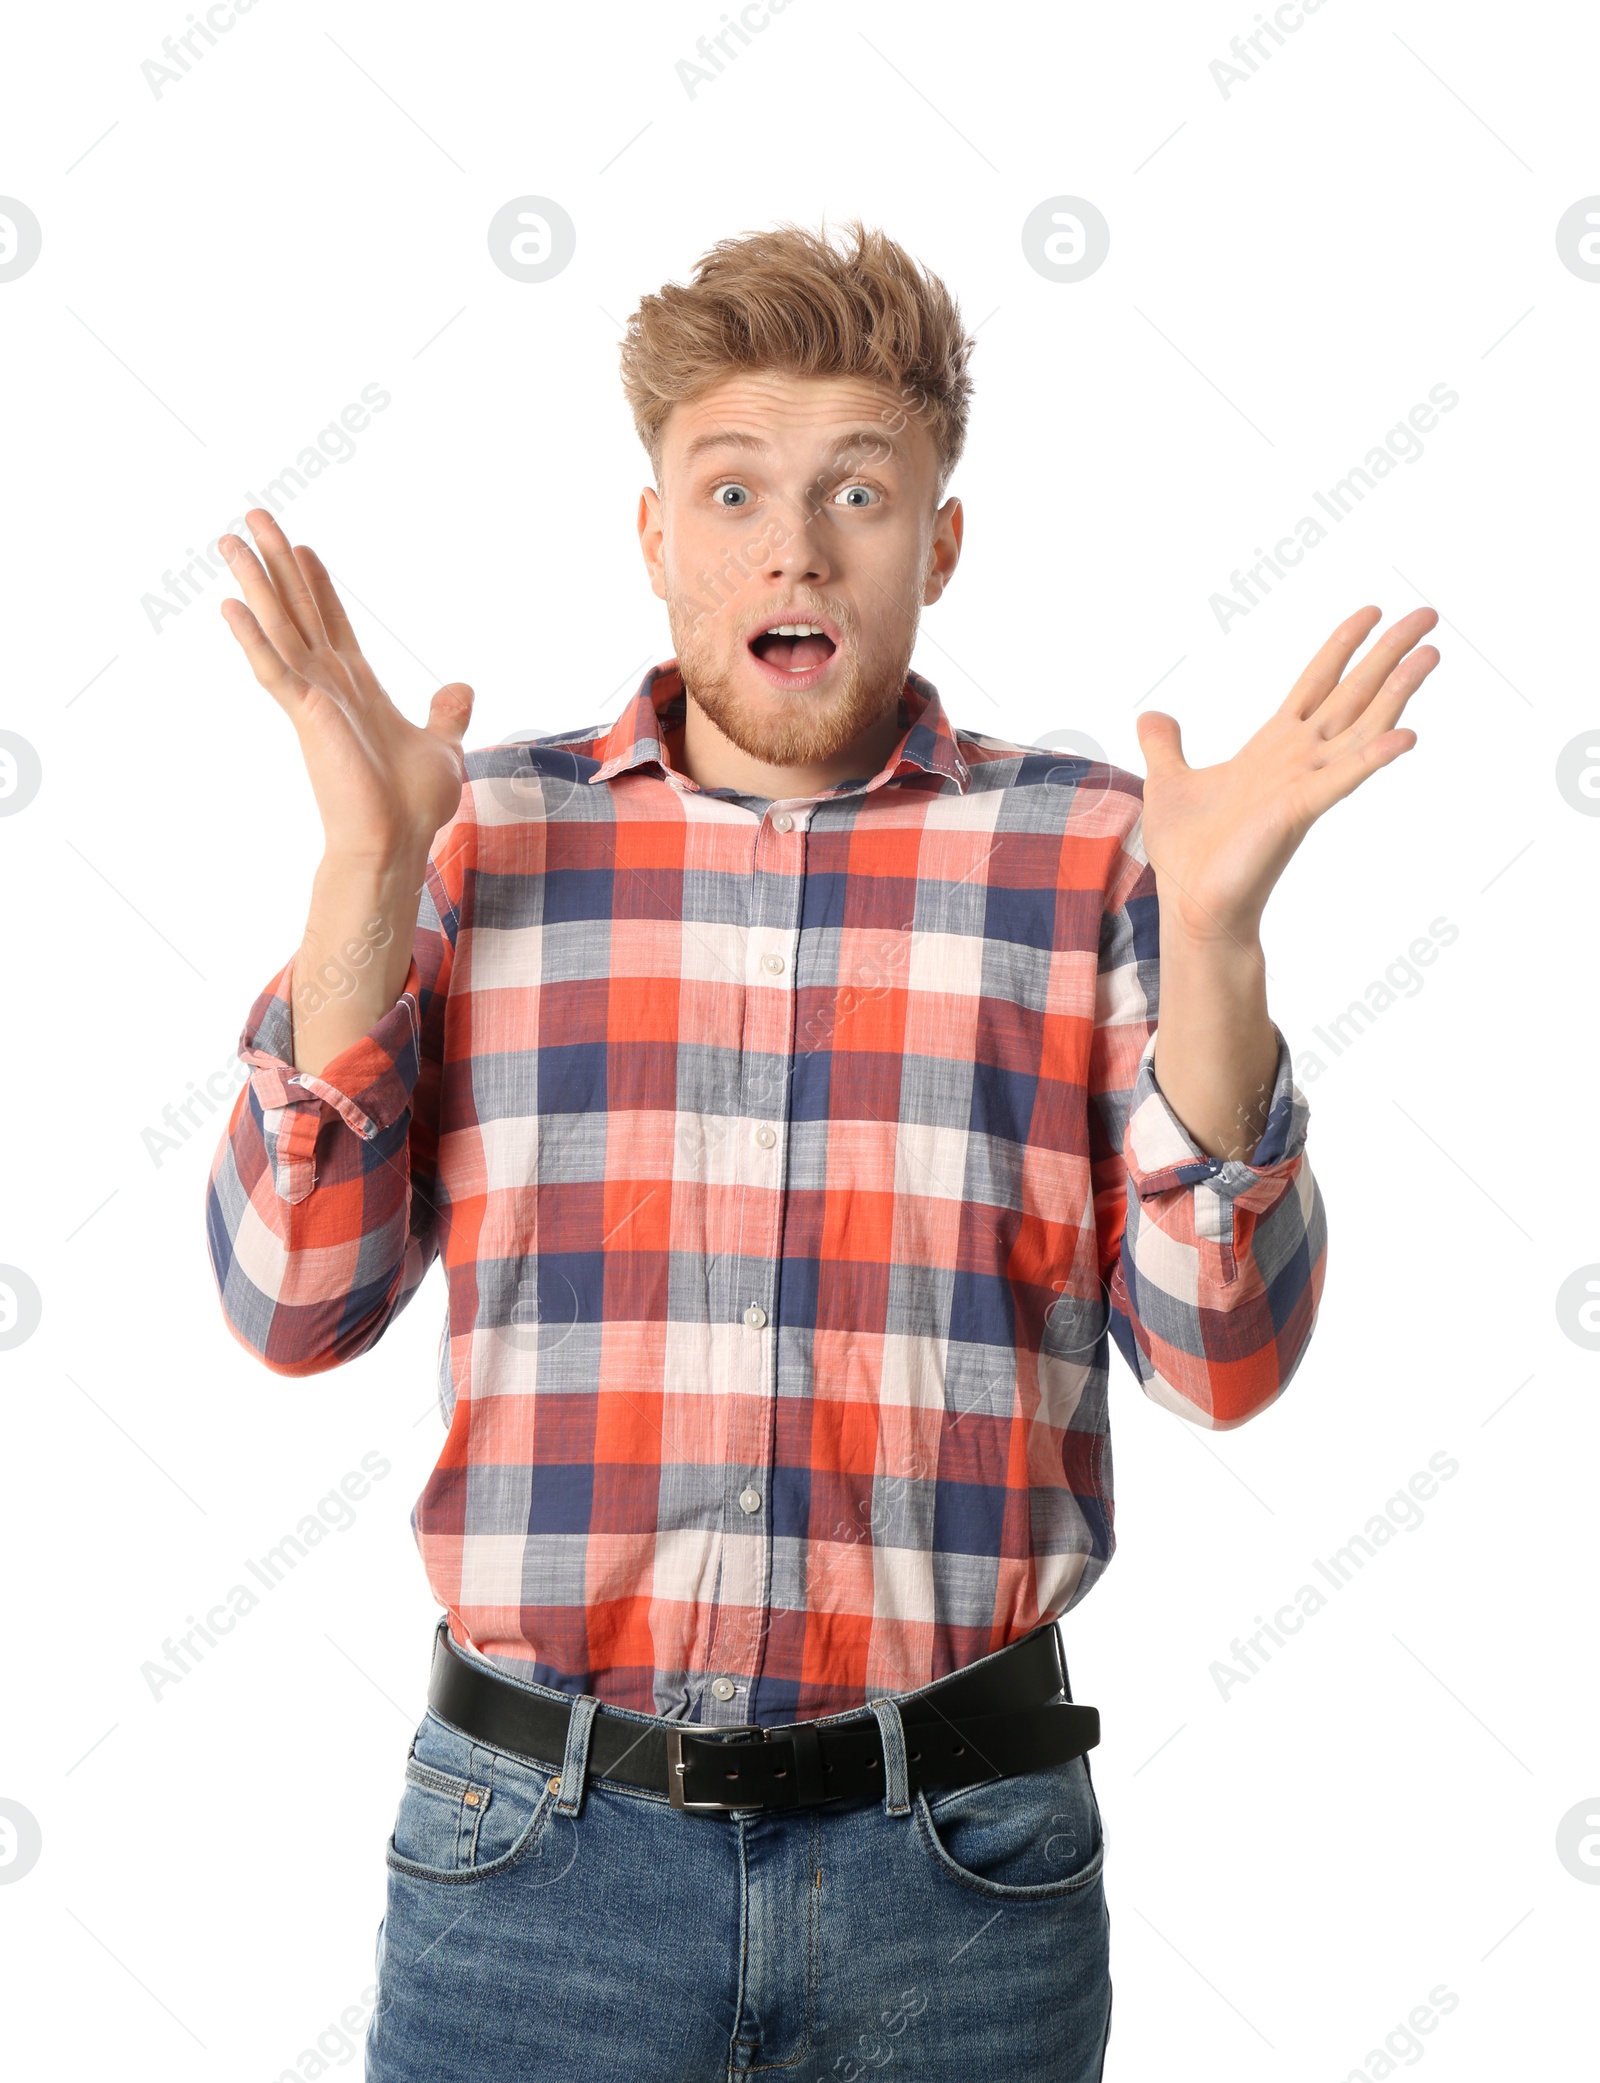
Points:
(330, 608)
(1383, 712)
(1161, 742)
(1357, 689)
(262, 597)
(1324, 670)
(1342, 776)
(449, 711)
(285, 685)
(286, 576)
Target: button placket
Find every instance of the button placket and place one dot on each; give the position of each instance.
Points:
(768, 1040)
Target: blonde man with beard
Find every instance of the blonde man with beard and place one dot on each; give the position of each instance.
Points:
(778, 1075)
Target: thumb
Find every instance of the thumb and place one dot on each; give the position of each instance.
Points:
(1161, 742)
(450, 711)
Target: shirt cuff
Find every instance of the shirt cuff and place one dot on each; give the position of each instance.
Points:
(370, 1081)
(1161, 1154)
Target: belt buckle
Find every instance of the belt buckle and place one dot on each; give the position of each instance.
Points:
(675, 1735)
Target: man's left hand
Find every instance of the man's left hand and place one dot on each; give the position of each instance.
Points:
(1219, 837)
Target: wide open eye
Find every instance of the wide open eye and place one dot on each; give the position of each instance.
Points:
(732, 495)
(857, 495)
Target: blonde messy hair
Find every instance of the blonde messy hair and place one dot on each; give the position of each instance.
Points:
(792, 300)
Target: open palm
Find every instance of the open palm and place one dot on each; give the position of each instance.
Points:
(1219, 837)
(382, 783)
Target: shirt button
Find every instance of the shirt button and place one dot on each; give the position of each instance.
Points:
(773, 964)
(766, 1137)
(749, 1500)
(722, 1688)
(755, 1316)
(782, 821)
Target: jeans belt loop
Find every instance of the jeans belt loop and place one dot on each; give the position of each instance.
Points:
(575, 1763)
(806, 1745)
(896, 1787)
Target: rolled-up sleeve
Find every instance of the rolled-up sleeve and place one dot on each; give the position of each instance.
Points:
(1213, 1267)
(321, 1214)
(368, 1085)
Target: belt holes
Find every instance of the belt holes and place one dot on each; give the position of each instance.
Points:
(916, 1757)
(730, 1775)
(958, 1750)
(780, 1772)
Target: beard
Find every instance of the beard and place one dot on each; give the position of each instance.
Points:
(804, 729)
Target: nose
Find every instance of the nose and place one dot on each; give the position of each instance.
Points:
(795, 545)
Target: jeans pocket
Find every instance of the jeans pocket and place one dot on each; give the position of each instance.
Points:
(1030, 1838)
(467, 1811)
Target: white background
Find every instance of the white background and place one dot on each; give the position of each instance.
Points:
(1293, 265)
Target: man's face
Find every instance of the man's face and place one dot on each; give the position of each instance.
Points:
(795, 500)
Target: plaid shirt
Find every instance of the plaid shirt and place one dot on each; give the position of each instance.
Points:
(793, 1165)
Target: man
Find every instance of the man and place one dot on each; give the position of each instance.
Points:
(778, 1075)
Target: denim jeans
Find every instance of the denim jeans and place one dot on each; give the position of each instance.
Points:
(543, 1923)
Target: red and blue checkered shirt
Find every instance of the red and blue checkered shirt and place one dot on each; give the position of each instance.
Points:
(793, 1166)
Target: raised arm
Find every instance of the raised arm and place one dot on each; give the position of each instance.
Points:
(320, 1217)
(1213, 1267)
(1213, 1237)
(1219, 838)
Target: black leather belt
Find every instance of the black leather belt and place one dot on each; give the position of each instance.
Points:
(1011, 1713)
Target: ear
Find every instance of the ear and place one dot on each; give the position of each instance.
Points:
(944, 552)
(652, 540)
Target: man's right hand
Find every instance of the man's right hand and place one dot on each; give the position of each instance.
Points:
(383, 786)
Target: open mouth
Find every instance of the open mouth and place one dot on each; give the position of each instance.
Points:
(793, 647)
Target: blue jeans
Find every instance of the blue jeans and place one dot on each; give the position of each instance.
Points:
(542, 1923)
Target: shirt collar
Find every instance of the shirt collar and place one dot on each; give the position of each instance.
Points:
(638, 737)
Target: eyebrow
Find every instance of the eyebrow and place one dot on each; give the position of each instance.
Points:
(733, 437)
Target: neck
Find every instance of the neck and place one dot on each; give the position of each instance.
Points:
(712, 760)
